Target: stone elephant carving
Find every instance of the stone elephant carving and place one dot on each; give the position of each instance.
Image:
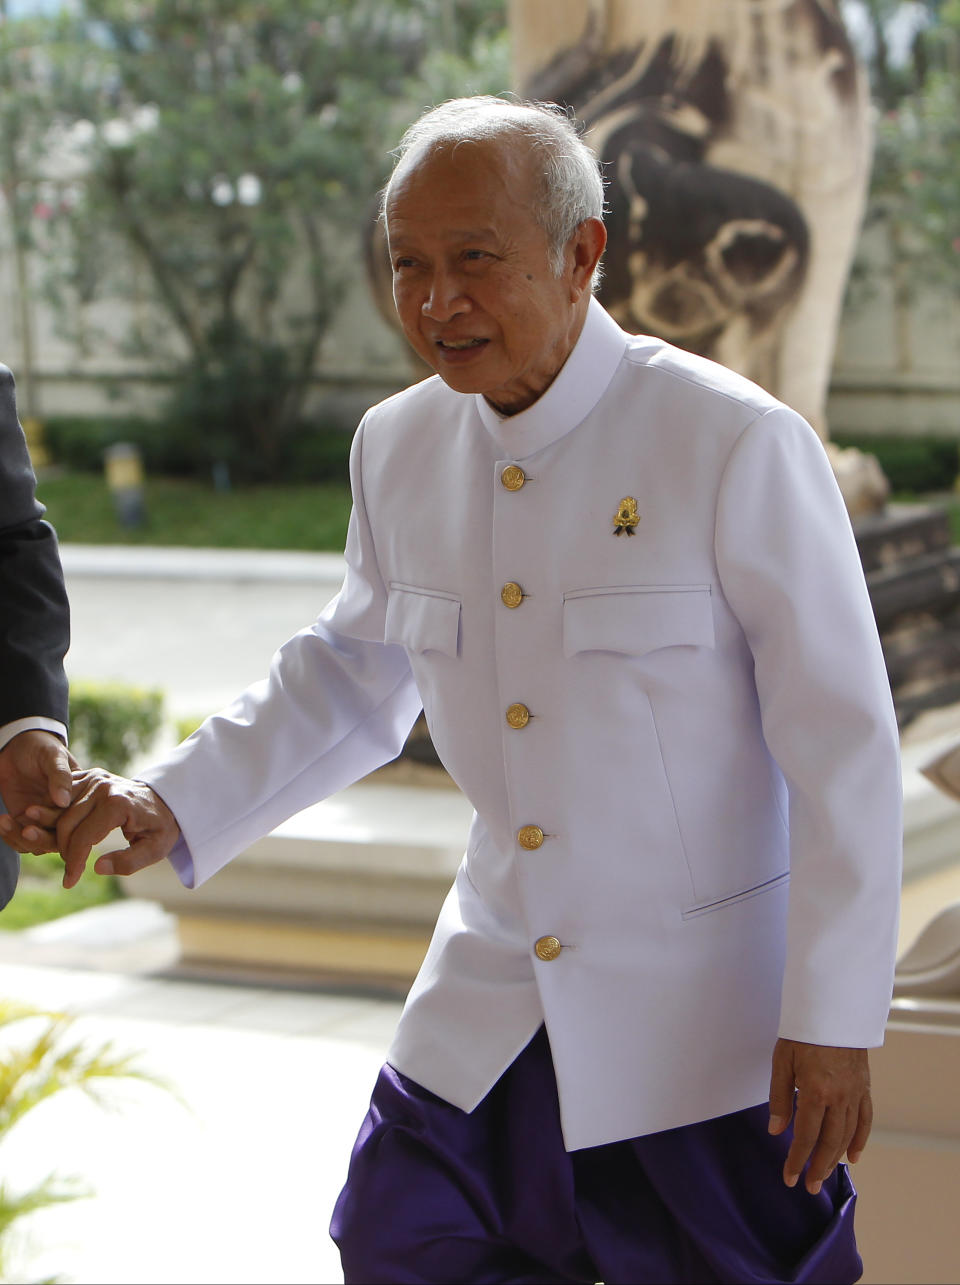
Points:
(736, 139)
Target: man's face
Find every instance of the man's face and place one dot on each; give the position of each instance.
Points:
(472, 282)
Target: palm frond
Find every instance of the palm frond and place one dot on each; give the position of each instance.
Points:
(52, 1191)
(46, 1065)
(13, 1206)
(38, 1062)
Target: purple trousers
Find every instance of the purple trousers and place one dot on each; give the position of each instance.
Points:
(436, 1195)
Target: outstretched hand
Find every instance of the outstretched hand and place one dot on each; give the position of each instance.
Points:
(35, 784)
(103, 802)
(833, 1107)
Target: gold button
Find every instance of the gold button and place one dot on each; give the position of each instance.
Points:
(530, 837)
(513, 477)
(547, 948)
(511, 594)
(518, 715)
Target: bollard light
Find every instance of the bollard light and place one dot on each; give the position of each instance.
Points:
(36, 444)
(123, 466)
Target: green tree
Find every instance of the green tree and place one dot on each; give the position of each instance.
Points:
(232, 143)
(26, 113)
(891, 78)
(915, 188)
(233, 149)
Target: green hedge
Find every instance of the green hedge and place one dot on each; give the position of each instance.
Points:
(312, 453)
(78, 443)
(320, 453)
(913, 465)
(111, 723)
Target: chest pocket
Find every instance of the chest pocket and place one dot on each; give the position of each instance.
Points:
(637, 619)
(422, 620)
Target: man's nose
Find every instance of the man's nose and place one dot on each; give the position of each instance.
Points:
(446, 298)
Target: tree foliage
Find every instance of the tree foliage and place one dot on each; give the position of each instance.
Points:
(221, 158)
(915, 187)
(894, 72)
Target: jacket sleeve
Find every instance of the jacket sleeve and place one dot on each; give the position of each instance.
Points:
(790, 569)
(34, 615)
(337, 703)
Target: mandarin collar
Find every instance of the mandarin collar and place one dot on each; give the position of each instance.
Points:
(582, 381)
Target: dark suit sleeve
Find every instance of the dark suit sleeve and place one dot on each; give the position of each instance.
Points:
(34, 615)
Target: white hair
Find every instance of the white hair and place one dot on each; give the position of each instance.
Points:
(571, 181)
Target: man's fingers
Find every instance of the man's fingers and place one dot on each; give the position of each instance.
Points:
(27, 838)
(781, 1090)
(59, 775)
(806, 1132)
(40, 839)
(75, 837)
(127, 861)
(34, 831)
(46, 818)
(832, 1110)
(835, 1132)
(862, 1131)
(73, 872)
(78, 834)
(848, 1132)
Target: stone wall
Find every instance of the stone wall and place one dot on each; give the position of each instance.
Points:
(897, 363)
(361, 359)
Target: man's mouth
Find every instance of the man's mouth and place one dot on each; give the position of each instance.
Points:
(458, 345)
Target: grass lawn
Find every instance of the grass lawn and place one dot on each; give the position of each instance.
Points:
(40, 895)
(185, 512)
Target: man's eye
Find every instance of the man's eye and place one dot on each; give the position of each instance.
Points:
(403, 263)
(476, 254)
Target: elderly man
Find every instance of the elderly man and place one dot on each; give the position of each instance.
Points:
(621, 582)
(34, 636)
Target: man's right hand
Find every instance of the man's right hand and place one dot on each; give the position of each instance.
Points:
(103, 802)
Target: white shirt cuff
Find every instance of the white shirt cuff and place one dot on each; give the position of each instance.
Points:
(38, 724)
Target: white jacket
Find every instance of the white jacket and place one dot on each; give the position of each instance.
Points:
(711, 755)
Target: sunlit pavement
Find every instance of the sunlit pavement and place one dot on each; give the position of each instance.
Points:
(200, 624)
(233, 1184)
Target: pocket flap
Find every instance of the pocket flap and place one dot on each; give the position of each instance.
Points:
(758, 890)
(422, 619)
(637, 619)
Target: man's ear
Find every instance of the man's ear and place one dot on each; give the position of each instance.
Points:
(587, 244)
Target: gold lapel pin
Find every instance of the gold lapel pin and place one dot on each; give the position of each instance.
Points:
(627, 516)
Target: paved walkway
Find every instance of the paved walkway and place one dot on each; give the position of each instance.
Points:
(236, 1183)
(201, 624)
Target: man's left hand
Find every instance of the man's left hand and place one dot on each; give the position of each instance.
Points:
(35, 774)
(833, 1107)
